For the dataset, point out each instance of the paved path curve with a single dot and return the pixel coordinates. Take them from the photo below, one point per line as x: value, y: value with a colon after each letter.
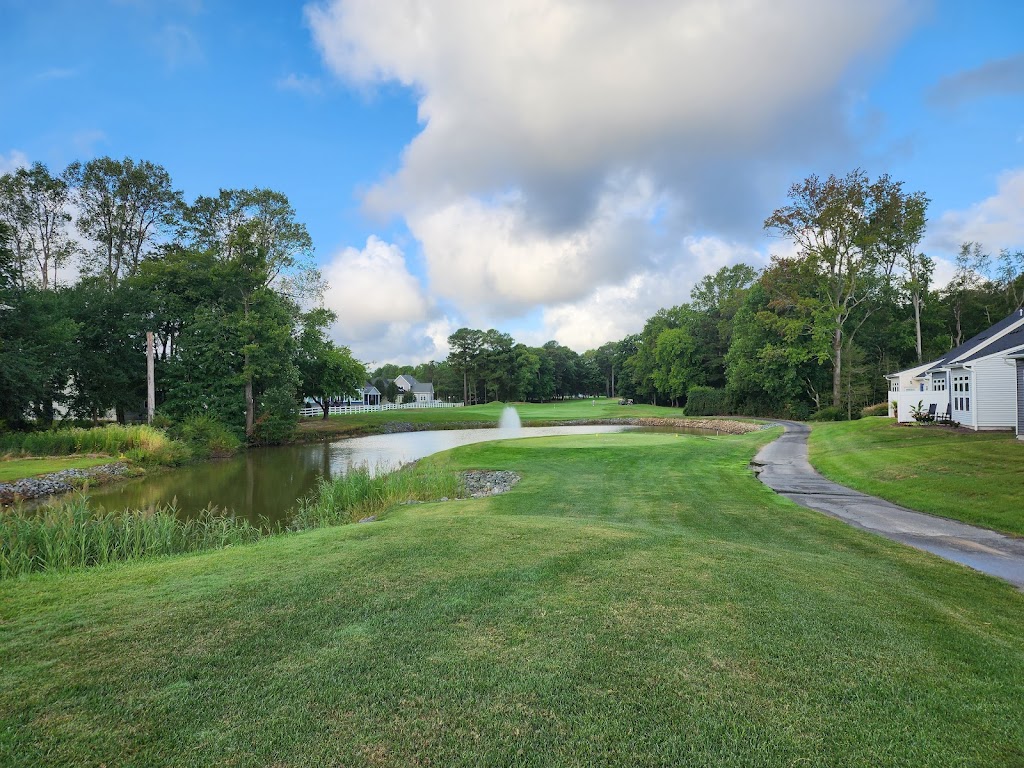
x: 783, y: 466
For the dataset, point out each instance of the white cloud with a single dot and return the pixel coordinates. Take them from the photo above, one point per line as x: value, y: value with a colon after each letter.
x: 383, y: 312
x: 179, y: 46
x: 12, y: 161
x: 614, y: 311
x: 945, y: 270
x: 491, y: 256
x: 573, y: 153
x: 530, y: 93
x: 996, y: 222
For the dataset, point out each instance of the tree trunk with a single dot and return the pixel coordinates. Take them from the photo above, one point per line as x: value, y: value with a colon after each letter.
x: 326, y: 405
x: 250, y: 404
x: 837, y: 367
x: 465, y: 388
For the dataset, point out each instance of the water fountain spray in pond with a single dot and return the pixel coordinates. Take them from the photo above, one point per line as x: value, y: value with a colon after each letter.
x: 510, y: 419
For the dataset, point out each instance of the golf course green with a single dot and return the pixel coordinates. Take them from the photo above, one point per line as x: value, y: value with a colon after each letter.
x: 637, y: 599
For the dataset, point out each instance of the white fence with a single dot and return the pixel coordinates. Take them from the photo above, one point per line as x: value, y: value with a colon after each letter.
x: 913, y: 398
x: 316, y: 410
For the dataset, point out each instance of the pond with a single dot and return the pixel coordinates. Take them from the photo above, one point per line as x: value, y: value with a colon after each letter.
x: 265, y: 482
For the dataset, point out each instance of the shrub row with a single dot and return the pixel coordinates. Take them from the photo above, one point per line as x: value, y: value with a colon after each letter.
x: 707, y: 401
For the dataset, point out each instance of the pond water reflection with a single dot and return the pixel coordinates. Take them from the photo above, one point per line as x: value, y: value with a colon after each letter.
x: 265, y: 482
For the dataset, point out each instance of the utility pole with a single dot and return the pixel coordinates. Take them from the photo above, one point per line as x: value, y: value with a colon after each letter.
x: 150, y: 381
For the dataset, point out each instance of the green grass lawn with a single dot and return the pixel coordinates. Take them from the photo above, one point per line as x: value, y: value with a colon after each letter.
x: 538, y: 413
x: 638, y: 599
x: 16, y: 469
x: 974, y: 477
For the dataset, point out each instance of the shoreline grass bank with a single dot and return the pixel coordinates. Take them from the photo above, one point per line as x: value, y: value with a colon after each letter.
x: 76, y: 534
x: 974, y: 477
x: 637, y: 599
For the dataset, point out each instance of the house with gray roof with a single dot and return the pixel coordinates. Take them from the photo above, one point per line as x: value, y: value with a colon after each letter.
x: 424, y: 391
x: 979, y: 384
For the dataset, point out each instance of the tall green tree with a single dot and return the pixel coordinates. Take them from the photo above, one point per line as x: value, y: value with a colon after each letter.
x: 109, y: 364
x: 37, y: 343
x: 327, y: 370
x: 466, y: 345
x: 774, y: 364
x: 35, y: 206
x: 126, y: 208
x: 835, y: 227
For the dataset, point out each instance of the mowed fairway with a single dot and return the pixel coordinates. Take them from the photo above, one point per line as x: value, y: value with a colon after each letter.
x: 638, y: 599
x: 489, y: 414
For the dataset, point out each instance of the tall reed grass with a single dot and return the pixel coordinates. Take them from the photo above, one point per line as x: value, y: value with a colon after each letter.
x: 140, y: 442
x: 363, y: 492
x: 74, y: 535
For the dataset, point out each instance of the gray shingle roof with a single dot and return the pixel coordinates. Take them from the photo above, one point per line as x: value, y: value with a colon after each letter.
x: 974, y: 342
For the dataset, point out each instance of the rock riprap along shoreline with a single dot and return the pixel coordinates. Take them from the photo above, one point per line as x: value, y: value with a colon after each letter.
x: 65, y: 481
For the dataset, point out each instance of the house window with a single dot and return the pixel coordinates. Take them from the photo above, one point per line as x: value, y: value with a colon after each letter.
x: 939, y: 385
x: 962, y: 392
x: 894, y: 386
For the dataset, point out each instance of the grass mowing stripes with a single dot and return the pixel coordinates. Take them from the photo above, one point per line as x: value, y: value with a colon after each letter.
x: 636, y: 600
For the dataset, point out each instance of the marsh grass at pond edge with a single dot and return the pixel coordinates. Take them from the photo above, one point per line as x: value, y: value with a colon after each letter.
x: 77, y: 535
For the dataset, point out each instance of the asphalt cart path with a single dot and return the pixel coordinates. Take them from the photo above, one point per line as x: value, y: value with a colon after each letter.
x: 783, y: 466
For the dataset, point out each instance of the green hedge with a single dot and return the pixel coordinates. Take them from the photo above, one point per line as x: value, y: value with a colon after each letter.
x: 707, y: 401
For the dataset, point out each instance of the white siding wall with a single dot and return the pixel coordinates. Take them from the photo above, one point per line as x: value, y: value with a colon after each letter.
x: 909, y: 400
x: 995, y: 392
x: 1020, y: 399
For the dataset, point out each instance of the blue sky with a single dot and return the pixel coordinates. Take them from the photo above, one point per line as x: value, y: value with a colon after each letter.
x: 553, y: 168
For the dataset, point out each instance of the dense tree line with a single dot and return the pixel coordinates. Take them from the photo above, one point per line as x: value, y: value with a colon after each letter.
x: 219, y: 282
x: 812, y: 333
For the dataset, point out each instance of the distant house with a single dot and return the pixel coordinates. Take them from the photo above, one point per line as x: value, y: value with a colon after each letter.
x: 371, y: 395
x: 424, y: 391
x: 367, y: 395
x: 980, y: 383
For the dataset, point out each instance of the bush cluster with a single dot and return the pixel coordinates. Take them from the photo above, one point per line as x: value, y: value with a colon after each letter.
x: 707, y: 401
x: 881, y: 409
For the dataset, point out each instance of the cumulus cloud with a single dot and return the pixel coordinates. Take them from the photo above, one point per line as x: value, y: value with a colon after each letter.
x: 996, y: 222
x: 567, y: 148
x: 616, y: 310
x: 551, y: 95
x: 383, y: 311
x: 488, y: 255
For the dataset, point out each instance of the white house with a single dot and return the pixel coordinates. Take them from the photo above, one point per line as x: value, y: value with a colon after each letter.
x: 424, y: 391
x: 979, y: 384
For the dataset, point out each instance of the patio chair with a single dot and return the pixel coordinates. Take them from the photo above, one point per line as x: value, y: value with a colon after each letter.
x: 944, y: 417
x: 931, y: 412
